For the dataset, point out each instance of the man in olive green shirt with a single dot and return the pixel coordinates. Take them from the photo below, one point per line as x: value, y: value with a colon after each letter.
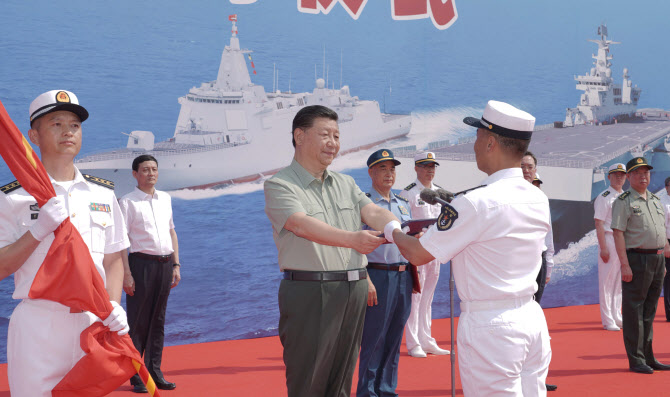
x: 638, y: 223
x: 316, y: 219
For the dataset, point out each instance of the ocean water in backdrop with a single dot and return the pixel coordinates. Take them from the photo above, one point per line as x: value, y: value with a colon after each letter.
x: 128, y: 62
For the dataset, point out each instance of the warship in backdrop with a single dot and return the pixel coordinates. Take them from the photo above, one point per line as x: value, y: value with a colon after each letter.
x: 231, y: 131
x: 573, y: 155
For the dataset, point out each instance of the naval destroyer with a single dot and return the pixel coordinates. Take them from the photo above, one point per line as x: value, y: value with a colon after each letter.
x: 231, y: 130
x: 573, y: 155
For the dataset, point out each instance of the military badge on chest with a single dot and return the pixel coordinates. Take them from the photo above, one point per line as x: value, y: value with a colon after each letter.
x: 403, y: 210
x: 637, y: 210
x: 447, y: 218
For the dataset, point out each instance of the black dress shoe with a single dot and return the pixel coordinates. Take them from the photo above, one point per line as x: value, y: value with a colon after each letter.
x: 551, y: 387
x: 162, y: 384
x: 642, y: 369
x: 659, y: 366
x: 140, y: 389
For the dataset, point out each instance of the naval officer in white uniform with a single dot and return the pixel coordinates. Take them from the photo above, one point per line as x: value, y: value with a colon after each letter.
x: 43, y: 337
x: 494, y: 237
x: 609, y: 266
x: 418, y: 328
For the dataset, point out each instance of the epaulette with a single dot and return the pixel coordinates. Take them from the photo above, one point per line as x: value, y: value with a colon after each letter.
x: 410, y: 186
x: 624, y: 195
x: 368, y: 194
x: 468, y: 190
x: 99, y: 181
x: 607, y: 193
x: 10, y: 187
x: 438, y: 186
x: 401, y: 198
x: 654, y: 196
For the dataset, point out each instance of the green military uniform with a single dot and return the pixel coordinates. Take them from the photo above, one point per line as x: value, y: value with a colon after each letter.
x: 643, y: 225
x: 321, y: 322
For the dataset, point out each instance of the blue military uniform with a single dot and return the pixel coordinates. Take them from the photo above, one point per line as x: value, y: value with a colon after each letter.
x: 384, y: 322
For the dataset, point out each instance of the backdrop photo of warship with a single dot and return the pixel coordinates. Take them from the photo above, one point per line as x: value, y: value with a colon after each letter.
x: 231, y: 130
x: 573, y: 155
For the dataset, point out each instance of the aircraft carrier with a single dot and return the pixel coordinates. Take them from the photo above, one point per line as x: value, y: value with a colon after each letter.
x: 573, y: 155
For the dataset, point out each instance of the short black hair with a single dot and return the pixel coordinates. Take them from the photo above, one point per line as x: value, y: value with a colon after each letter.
x: 667, y: 180
x: 305, y: 117
x: 529, y: 153
x: 512, y: 146
x: 141, y: 159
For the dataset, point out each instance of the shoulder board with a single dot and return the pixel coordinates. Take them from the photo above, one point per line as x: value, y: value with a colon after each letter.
x: 436, y: 185
x: 624, y: 195
x: 654, y: 196
x: 401, y: 198
x: 607, y: 193
x: 410, y: 186
x: 99, y: 181
x: 368, y: 194
x: 10, y: 187
x: 469, y: 190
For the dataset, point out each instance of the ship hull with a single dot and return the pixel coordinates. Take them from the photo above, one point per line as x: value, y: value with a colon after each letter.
x: 268, y: 152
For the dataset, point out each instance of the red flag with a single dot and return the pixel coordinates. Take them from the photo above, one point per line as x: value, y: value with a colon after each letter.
x: 68, y: 276
x: 232, y: 17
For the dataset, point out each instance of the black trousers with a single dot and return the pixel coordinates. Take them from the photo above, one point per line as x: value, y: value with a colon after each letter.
x: 146, y: 310
x: 638, y: 306
x: 541, y: 279
x: 320, y: 328
x: 666, y: 289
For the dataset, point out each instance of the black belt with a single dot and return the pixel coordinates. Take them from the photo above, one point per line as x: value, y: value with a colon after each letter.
x: 157, y: 258
x: 396, y: 267
x: 351, y: 275
x: 651, y: 251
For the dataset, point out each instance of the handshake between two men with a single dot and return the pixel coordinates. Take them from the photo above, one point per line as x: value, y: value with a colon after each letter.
x: 406, y: 236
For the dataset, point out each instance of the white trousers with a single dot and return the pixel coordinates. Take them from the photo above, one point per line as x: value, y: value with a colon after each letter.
x: 42, y: 346
x: 417, y: 329
x: 609, y: 285
x: 504, y: 352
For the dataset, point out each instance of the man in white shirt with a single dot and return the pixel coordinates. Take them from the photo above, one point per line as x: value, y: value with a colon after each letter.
x: 43, y: 337
x: 494, y: 237
x: 529, y: 169
x: 418, y: 328
x: 151, y: 269
x: 609, y: 267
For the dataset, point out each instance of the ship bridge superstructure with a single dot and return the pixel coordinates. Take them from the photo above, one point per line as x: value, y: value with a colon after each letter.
x: 224, y: 110
x: 603, y: 101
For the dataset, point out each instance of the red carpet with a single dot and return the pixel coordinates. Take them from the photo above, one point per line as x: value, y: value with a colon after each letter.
x: 587, y: 361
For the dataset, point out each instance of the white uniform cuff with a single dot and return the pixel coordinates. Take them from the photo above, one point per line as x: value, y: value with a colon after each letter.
x: 389, y: 228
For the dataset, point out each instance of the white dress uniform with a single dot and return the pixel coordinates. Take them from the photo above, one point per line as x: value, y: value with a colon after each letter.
x: 495, y: 247
x: 418, y: 327
x: 609, y: 273
x: 43, y: 337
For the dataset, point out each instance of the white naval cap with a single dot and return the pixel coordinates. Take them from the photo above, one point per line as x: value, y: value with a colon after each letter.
x: 616, y: 167
x: 505, y: 120
x: 425, y: 157
x: 55, y: 100
x: 537, y: 178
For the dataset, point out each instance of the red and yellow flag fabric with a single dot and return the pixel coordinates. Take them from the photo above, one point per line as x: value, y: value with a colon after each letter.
x: 68, y: 276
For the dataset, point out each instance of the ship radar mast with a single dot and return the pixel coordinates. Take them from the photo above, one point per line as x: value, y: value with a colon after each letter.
x: 233, y: 74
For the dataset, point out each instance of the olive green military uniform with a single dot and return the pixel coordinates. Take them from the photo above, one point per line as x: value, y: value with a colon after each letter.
x: 643, y: 225
x: 320, y: 322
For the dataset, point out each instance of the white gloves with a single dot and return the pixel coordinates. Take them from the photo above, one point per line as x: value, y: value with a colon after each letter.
x: 51, y: 215
x: 117, y: 320
x: 389, y: 228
